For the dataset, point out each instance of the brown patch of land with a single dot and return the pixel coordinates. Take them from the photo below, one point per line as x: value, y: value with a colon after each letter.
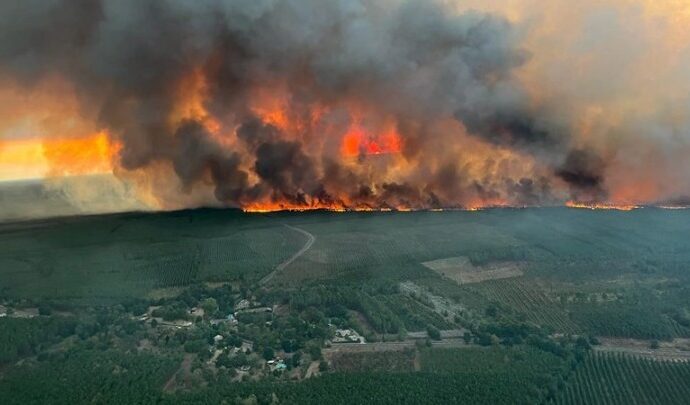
x: 462, y: 271
x: 312, y: 370
x: 180, y: 375
x: 169, y: 292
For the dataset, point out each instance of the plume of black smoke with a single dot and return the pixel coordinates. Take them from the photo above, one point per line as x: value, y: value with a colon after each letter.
x: 412, y: 60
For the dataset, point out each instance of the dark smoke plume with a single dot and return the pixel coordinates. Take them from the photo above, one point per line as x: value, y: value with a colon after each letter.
x: 413, y: 63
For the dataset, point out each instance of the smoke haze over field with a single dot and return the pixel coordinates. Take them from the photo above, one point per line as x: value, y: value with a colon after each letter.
x: 272, y: 104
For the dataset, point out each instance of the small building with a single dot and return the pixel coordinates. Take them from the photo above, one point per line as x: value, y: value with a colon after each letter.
x: 243, y: 304
x: 218, y: 338
x: 231, y: 319
x: 196, y: 312
x: 276, y: 364
x: 254, y: 310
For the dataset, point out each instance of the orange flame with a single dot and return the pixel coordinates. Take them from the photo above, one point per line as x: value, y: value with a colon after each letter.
x: 358, y: 141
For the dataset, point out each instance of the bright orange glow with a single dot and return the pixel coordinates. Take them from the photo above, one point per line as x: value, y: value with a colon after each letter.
x: 600, y: 206
x: 272, y: 106
x: 78, y: 156
x: 34, y: 158
x: 265, y: 207
x: 22, y: 159
x: 358, y: 141
x: 190, y: 103
x: 268, y: 207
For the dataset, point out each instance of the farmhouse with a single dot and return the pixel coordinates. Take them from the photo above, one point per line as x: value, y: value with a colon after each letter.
x: 230, y: 320
x: 347, y: 336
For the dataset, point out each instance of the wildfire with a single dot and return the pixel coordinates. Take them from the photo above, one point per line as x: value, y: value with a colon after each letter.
x: 601, y: 206
x: 269, y: 207
x: 262, y: 208
x: 358, y: 140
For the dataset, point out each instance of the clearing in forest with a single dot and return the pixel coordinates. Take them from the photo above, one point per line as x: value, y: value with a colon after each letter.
x: 462, y: 271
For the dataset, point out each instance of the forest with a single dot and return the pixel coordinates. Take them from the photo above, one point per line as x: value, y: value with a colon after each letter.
x: 197, y: 307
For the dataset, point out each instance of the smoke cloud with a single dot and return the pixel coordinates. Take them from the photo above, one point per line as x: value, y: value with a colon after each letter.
x: 362, y: 103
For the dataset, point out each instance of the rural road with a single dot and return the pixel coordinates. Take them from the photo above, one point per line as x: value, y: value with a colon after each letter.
x: 310, y: 241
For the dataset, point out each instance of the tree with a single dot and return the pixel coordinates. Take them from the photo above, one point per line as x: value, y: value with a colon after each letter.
x: 654, y: 344
x: 195, y: 346
x: 44, y: 310
x: 492, y: 311
x: 314, y: 351
x: 210, y: 306
x: 323, y: 366
x: 268, y: 353
x: 433, y: 332
x: 287, y: 346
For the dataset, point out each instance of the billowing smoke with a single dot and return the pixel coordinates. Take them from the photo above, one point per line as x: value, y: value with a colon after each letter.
x: 310, y: 103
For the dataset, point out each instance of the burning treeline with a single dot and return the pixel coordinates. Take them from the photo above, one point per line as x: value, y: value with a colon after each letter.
x: 297, y: 104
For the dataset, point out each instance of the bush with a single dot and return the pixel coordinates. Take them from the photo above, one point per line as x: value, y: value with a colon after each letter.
x: 433, y: 332
x: 45, y: 310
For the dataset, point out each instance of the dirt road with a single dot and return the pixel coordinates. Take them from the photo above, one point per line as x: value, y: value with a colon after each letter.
x: 310, y: 241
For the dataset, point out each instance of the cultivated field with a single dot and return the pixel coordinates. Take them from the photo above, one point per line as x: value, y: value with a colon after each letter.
x: 462, y: 271
x: 621, y: 379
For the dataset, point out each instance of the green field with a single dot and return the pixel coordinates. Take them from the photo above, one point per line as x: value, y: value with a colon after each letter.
x: 618, y: 379
x: 128, y: 255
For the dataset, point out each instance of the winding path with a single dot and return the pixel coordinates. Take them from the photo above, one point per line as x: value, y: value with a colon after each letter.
x: 310, y: 241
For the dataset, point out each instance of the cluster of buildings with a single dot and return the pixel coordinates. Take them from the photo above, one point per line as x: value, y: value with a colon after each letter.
x: 347, y: 336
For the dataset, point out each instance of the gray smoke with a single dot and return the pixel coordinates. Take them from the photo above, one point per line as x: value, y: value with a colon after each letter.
x: 413, y: 60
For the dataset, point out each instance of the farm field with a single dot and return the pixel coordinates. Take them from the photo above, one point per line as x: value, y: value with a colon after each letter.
x: 606, y: 378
